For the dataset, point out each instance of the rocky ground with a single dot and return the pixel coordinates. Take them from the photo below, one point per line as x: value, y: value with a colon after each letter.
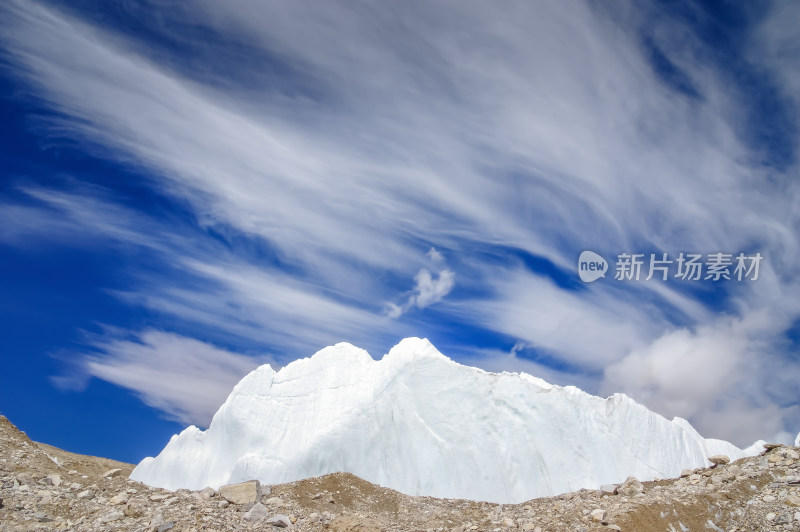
x: 44, y: 488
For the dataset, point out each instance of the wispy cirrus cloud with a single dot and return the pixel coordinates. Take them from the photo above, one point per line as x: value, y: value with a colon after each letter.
x: 547, y: 131
x: 184, y: 378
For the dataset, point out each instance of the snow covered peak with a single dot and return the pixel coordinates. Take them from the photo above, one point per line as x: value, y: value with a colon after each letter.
x: 423, y: 424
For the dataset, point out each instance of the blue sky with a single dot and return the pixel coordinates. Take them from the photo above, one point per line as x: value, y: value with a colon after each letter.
x: 189, y: 190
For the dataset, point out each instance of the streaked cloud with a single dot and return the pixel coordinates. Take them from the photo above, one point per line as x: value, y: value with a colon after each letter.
x: 186, y: 379
x: 544, y: 132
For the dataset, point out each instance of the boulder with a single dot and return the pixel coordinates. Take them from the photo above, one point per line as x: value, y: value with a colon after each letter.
x: 242, y: 493
x: 630, y: 487
x: 719, y: 459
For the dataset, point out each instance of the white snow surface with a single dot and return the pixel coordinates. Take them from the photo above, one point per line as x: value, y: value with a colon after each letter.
x: 422, y: 424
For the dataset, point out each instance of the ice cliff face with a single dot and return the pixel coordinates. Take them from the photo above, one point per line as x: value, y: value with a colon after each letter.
x: 423, y: 424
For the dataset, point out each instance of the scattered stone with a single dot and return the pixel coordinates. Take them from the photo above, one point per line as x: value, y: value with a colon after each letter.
x: 609, y: 489
x: 24, y: 479
x: 135, y: 508
x: 274, y: 501
x: 208, y: 493
x: 42, y: 517
x: 279, y: 520
x: 242, y: 493
x: 598, y: 514
x: 112, y: 473
x: 719, y: 459
x: 793, y: 500
x: 113, y: 516
x: 686, y: 472
x: 54, y: 479
x: 120, y: 498
x: 630, y: 487
x: 86, y: 494
x: 257, y: 513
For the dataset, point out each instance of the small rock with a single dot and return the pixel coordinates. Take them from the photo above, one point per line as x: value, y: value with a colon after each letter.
x: 279, y: 520
x: 686, y: 472
x: 274, y: 501
x: 207, y: 493
x: 614, y: 527
x: 508, y: 522
x: 793, y: 500
x: 24, y: 479
x: 158, y: 497
x: 113, y: 516
x: 54, y: 479
x: 719, y: 459
x: 120, y: 498
x: 598, y: 514
x: 257, y: 512
x: 112, y: 473
x: 155, y: 523
x: 86, y: 494
x: 630, y: 487
x: 42, y: 517
x: 165, y: 526
x: 609, y: 489
x: 135, y: 508
x: 242, y: 493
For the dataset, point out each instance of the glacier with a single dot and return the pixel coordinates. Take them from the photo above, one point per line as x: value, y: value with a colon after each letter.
x: 420, y: 423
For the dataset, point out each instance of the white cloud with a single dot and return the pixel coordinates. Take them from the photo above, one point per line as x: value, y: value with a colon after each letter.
x: 185, y: 378
x: 545, y: 131
x: 713, y: 374
x: 429, y: 287
x: 435, y: 256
